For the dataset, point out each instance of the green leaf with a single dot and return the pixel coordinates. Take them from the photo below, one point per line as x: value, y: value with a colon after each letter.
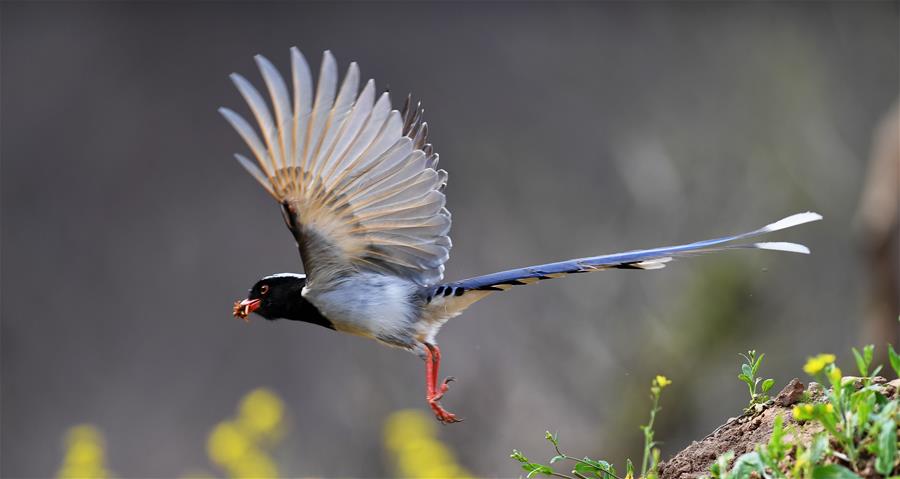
x: 833, y: 471
x: 746, y: 464
x: 895, y: 359
x: 757, y: 363
x: 767, y: 384
x: 817, y: 447
x: 887, y: 448
x: 591, y: 468
x: 863, y: 408
x: 747, y: 370
x: 775, y: 441
x: 587, y: 469
x: 719, y: 469
x: 537, y: 469
x: 745, y: 378
x: 860, y: 363
x: 877, y: 370
x: 556, y: 459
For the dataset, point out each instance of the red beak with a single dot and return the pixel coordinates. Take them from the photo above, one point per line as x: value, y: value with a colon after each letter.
x: 242, y: 309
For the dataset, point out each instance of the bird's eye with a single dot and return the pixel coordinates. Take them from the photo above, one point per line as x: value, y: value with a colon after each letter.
x: 264, y: 289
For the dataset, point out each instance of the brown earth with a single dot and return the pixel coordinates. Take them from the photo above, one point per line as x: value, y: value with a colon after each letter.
x: 742, y: 434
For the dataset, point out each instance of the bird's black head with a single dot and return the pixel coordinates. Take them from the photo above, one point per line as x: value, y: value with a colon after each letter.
x: 280, y: 296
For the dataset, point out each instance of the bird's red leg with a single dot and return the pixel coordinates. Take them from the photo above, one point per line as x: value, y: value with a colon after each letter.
x: 432, y: 394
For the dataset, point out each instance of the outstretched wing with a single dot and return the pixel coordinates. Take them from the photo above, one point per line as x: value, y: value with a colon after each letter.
x: 357, y: 181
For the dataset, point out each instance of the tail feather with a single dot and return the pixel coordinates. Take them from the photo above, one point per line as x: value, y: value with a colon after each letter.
x: 655, y: 258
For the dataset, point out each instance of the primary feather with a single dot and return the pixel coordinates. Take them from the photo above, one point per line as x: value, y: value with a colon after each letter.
x: 358, y: 181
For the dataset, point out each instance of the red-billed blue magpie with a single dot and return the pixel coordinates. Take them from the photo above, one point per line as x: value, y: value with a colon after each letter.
x: 360, y: 190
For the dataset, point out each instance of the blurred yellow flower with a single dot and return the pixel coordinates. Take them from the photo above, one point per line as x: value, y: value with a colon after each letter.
x: 803, y: 412
x: 85, y: 454
x: 238, y: 445
x: 261, y: 413
x: 227, y: 443
x: 662, y: 381
x: 816, y: 364
x: 409, y: 436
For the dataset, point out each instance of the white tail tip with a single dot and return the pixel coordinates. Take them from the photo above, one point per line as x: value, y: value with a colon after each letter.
x: 793, y: 220
x: 782, y: 246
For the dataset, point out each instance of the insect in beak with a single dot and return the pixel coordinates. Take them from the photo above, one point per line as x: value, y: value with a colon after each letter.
x: 242, y: 309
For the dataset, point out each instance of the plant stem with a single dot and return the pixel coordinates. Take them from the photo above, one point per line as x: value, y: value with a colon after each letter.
x: 566, y: 456
x: 648, y: 436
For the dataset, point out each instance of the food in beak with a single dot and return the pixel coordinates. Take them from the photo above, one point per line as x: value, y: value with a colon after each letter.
x: 242, y: 309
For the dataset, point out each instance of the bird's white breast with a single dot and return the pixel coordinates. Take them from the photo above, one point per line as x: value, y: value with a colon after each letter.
x: 368, y: 304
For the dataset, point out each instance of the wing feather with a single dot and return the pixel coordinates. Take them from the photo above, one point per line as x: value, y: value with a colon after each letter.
x: 356, y: 179
x: 303, y: 94
x: 280, y: 100
x: 250, y: 137
x: 325, y: 92
x: 335, y: 123
x: 263, y: 118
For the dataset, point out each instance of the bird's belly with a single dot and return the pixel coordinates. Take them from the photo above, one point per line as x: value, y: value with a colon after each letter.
x: 370, y: 305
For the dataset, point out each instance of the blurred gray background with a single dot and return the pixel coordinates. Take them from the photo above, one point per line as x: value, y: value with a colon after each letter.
x: 568, y: 130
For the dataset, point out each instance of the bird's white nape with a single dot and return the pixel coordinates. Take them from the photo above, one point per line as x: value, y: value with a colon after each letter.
x: 286, y: 275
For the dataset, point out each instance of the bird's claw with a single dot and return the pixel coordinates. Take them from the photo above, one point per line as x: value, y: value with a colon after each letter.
x: 445, y: 386
x: 440, y: 413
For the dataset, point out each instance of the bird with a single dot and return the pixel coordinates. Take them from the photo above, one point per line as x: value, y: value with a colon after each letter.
x: 360, y: 190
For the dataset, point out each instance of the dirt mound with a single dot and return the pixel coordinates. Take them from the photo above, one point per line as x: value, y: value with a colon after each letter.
x: 742, y: 434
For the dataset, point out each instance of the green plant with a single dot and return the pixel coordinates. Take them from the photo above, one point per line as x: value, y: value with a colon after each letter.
x: 651, y: 453
x: 583, y: 468
x: 588, y: 468
x: 859, y: 422
x: 895, y: 360
x: 864, y: 362
x: 748, y: 376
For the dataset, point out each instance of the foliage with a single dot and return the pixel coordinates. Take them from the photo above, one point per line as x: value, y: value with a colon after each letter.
x: 410, y: 437
x: 587, y: 468
x: 748, y: 376
x: 859, y: 422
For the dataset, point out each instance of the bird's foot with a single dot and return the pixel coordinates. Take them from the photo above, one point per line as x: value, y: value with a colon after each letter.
x: 440, y: 413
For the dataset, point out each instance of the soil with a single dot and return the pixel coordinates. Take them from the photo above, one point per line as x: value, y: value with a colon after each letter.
x: 742, y: 434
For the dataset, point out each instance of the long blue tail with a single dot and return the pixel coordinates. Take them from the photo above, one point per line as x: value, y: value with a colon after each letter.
x: 640, y: 259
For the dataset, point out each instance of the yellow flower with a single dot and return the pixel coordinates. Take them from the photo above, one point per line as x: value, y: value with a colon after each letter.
x: 662, y: 381
x: 816, y: 364
x: 829, y: 408
x: 834, y: 375
x: 804, y: 412
x: 85, y: 454
x: 261, y: 413
x: 240, y: 445
x: 417, y: 453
